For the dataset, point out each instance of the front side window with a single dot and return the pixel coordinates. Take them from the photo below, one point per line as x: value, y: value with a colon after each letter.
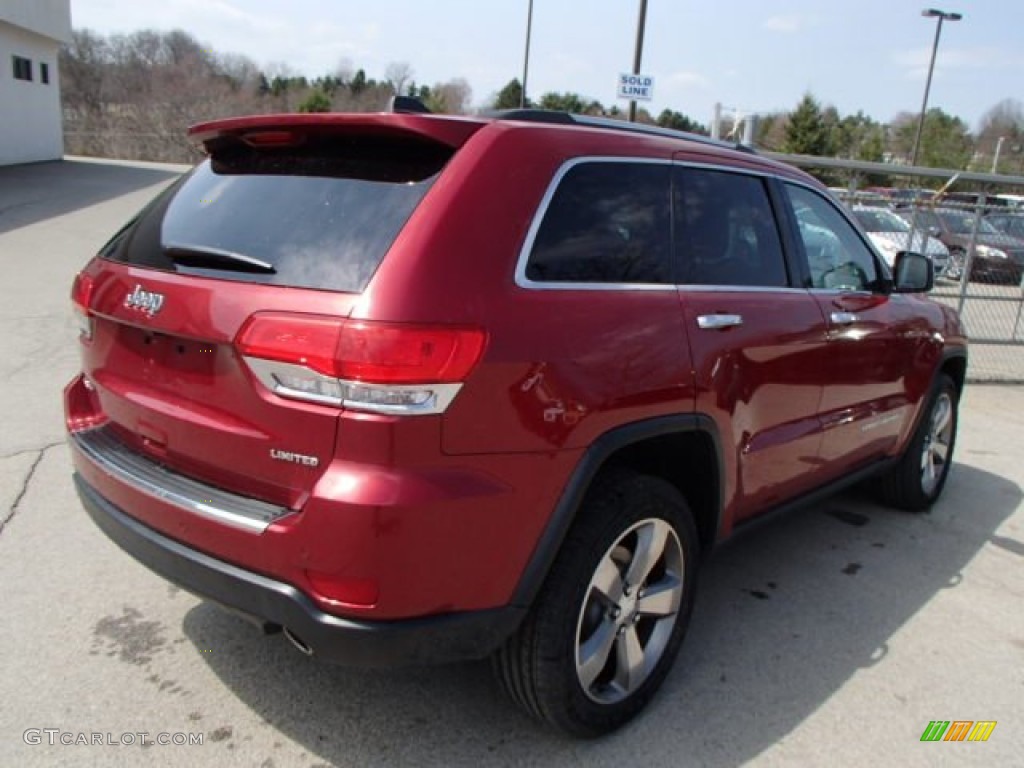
x: 608, y: 222
x: 725, y: 230
x: 836, y: 256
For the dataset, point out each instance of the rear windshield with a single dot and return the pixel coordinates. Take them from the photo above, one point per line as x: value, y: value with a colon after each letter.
x: 322, y: 215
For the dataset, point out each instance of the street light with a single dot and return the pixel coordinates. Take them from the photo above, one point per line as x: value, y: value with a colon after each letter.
x: 930, y: 13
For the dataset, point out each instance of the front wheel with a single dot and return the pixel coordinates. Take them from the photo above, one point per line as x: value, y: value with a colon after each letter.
x: 607, y: 625
x: 955, y: 266
x: 917, y: 480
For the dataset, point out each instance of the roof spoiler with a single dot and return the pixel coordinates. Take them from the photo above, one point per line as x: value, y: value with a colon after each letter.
x: 408, y: 105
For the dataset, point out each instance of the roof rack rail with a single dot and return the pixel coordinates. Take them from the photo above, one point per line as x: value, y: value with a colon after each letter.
x: 553, y: 116
x: 567, y: 118
x: 408, y: 105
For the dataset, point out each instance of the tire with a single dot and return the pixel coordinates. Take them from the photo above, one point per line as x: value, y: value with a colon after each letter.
x: 955, y: 265
x: 918, y: 479
x: 566, y: 664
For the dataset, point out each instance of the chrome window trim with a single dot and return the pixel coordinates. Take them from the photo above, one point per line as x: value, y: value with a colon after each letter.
x: 838, y: 292
x: 702, y: 166
x: 522, y: 281
x: 722, y: 288
x: 114, y: 457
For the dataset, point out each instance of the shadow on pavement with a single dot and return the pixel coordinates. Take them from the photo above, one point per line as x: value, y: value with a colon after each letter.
x: 785, y: 616
x: 38, y: 191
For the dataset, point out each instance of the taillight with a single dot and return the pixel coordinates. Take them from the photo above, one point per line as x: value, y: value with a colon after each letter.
x: 364, y: 365
x: 407, y: 354
x: 81, y: 294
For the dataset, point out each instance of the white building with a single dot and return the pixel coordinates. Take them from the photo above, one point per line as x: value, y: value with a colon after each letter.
x: 31, y: 32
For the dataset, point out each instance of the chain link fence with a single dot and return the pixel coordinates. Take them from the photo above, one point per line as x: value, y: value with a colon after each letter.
x: 971, y: 224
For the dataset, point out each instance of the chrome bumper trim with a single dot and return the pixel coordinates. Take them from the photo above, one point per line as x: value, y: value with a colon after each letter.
x: 111, y: 455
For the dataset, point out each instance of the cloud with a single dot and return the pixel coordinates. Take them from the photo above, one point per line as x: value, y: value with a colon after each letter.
x: 689, y: 80
x: 914, y: 62
x: 788, y: 23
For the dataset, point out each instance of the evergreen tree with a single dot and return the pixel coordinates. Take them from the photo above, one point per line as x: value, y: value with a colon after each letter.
x: 680, y: 122
x: 807, y: 132
x: 510, y: 96
x: 317, y: 101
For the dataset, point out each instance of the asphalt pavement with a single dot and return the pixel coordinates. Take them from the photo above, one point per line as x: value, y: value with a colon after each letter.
x: 831, y: 636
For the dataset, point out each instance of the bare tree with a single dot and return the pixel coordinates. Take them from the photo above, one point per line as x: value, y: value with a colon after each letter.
x: 453, y: 97
x: 398, y: 75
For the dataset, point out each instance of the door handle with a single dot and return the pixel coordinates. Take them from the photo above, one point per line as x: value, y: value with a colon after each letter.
x: 844, y: 318
x: 715, y: 322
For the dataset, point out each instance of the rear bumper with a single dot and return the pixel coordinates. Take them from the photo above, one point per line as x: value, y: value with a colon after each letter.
x: 428, y: 640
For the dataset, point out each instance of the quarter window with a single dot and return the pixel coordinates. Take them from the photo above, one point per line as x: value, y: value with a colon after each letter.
x: 22, y: 68
x: 836, y: 256
x: 608, y: 222
x: 44, y: 73
x: 725, y: 230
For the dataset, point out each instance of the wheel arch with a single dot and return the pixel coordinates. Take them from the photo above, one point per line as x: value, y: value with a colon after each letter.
x: 954, y: 365
x: 683, y: 449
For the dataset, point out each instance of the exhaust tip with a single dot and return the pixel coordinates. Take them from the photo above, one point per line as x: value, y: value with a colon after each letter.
x: 298, y: 642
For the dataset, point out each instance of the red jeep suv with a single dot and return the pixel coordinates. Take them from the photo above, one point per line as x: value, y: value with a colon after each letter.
x: 414, y: 388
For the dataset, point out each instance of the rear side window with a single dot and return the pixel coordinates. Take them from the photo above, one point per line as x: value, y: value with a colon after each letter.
x: 725, y: 230
x: 321, y: 215
x: 608, y: 222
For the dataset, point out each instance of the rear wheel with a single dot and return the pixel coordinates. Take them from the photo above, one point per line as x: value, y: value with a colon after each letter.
x: 605, y: 629
x: 918, y: 479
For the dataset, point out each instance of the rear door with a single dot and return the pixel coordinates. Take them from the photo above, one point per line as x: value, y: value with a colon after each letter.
x: 757, y: 339
x: 296, y: 226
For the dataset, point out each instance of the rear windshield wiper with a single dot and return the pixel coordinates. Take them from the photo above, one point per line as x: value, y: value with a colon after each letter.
x: 215, y: 258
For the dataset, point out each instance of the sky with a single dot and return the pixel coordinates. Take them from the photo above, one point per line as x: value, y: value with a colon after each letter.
x: 748, y: 55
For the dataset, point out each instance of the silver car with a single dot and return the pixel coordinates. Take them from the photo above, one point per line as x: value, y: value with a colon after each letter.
x: 891, y: 234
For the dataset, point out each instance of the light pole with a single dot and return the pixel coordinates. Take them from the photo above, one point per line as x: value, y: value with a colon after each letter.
x: 930, y: 13
x: 526, y: 56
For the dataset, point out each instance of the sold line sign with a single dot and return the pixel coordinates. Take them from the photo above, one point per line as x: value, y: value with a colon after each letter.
x: 636, y: 87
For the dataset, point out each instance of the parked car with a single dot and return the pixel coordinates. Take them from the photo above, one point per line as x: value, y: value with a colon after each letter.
x: 417, y: 389
x: 891, y: 234
x: 1011, y: 224
x: 998, y: 258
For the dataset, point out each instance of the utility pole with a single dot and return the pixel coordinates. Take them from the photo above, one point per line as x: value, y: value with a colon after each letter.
x: 639, y: 52
x: 526, y: 56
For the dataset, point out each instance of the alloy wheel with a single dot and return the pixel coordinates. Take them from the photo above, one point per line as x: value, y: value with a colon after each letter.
x: 629, y: 610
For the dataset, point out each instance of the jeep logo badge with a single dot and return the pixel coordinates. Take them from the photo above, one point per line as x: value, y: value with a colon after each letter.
x: 148, y: 302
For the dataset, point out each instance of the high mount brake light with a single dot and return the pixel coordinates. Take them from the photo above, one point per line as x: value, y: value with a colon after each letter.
x: 364, y: 365
x: 272, y: 138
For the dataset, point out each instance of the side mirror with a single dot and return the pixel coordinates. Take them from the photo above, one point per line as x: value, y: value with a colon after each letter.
x: 913, y: 273
x: 934, y: 231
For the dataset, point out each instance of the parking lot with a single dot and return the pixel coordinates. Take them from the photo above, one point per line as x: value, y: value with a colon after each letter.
x: 831, y: 636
